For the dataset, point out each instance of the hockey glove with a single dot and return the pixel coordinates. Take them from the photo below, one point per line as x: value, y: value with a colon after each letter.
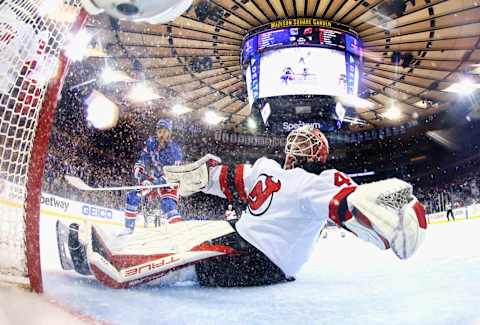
x: 191, y: 178
x: 387, y: 214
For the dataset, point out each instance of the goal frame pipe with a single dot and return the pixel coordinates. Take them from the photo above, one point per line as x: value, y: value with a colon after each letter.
x: 37, y: 163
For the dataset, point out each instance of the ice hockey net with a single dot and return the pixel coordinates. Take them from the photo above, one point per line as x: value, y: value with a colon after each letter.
x: 33, y: 34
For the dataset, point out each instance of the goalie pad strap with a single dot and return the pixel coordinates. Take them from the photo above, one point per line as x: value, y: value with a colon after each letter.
x: 338, y: 207
x: 420, y: 212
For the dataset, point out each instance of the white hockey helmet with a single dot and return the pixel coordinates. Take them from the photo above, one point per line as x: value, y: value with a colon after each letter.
x: 150, y: 11
x: 306, y: 144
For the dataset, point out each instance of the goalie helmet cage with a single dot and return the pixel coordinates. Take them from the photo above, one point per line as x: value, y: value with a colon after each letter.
x: 33, y: 34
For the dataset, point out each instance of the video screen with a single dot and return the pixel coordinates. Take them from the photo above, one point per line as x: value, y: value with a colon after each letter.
x: 298, y: 37
x: 302, y: 71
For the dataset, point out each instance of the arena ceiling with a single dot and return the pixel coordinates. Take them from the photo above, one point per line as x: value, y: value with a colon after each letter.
x: 195, y: 60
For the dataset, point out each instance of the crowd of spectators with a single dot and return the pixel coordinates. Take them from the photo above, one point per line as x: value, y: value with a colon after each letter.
x: 69, y: 154
x: 460, y: 191
x: 456, y: 184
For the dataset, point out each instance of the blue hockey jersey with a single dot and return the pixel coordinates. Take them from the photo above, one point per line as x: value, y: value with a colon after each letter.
x: 154, y: 158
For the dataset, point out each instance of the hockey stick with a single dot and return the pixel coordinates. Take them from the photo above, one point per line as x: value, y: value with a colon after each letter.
x: 81, y: 185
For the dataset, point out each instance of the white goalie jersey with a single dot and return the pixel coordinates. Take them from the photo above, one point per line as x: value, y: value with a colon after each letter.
x: 286, y: 209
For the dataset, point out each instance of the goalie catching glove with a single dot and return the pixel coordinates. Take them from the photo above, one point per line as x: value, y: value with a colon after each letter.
x: 191, y: 178
x: 384, y: 213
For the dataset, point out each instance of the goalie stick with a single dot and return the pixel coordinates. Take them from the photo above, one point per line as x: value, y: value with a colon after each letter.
x: 81, y: 185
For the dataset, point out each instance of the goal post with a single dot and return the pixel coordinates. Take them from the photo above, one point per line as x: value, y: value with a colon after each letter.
x: 33, y: 35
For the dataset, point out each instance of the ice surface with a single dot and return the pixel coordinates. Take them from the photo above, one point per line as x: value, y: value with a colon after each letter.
x: 19, y: 307
x: 346, y: 282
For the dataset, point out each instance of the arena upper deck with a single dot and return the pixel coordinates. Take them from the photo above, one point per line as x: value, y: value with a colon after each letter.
x: 414, y: 50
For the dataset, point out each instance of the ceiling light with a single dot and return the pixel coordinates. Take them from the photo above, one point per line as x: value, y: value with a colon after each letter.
x: 475, y: 68
x: 355, y: 102
x: 101, y: 112
x: 339, y: 111
x: 464, y: 87
x: 110, y: 76
x: 77, y: 45
x: 142, y: 93
x: 393, y: 113
x: 179, y: 109
x: 421, y: 104
x: 426, y: 104
x: 252, y: 125
x: 213, y: 118
x: 354, y: 120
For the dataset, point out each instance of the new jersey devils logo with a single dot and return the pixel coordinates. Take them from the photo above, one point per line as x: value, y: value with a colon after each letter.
x: 261, y: 195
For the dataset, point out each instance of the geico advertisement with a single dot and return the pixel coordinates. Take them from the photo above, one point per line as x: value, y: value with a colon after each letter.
x: 95, y: 212
x: 78, y: 209
x: 75, y: 208
x: 13, y: 195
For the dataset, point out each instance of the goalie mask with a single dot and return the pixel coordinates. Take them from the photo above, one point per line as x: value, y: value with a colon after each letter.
x: 306, y: 148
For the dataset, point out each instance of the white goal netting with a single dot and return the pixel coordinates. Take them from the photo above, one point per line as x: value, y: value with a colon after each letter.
x: 32, y: 66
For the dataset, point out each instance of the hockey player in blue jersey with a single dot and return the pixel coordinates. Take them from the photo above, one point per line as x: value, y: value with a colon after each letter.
x: 159, y: 151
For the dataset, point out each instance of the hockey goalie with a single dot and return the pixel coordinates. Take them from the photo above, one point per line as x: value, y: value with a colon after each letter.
x: 286, y: 210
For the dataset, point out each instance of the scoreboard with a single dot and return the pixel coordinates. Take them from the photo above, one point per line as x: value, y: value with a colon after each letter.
x: 337, y: 37
x: 299, y: 62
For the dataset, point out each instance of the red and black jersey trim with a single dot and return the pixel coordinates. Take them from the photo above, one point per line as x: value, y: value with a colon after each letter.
x: 232, y: 184
x: 338, y: 207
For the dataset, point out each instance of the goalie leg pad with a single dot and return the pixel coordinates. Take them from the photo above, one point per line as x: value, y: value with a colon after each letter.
x: 147, y: 257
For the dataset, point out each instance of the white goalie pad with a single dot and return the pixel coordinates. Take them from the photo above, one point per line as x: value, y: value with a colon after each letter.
x: 191, y: 178
x: 148, y: 255
x: 388, y: 211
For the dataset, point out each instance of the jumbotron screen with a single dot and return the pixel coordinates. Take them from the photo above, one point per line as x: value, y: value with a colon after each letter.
x: 323, y: 58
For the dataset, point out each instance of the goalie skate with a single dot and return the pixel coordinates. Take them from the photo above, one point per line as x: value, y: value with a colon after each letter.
x: 62, y: 244
x: 71, y: 251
